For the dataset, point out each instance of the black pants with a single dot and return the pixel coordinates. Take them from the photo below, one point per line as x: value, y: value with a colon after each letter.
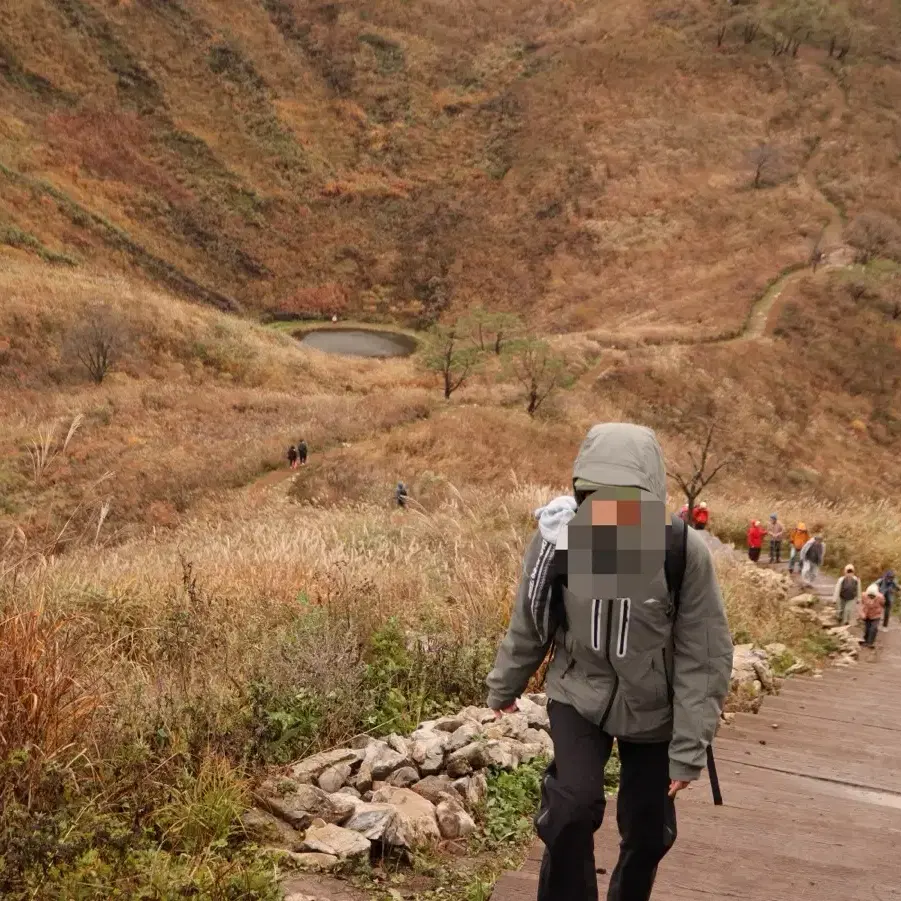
x: 572, y: 809
x: 888, y: 611
x: 754, y: 554
x: 870, y: 631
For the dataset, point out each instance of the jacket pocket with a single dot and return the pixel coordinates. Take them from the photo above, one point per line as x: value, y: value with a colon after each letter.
x: 645, y: 685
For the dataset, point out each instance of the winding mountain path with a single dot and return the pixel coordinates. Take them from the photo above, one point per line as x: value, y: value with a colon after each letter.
x: 812, y: 796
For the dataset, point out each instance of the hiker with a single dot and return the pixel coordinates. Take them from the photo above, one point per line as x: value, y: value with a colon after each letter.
x: 887, y: 588
x: 701, y: 516
x: 683, y: 514
x: 302, y: 452
x: 798, y: 537
x: 755, y: 540
x: 400, y: 494
x: 846, y: 595
x: 776, y: 532
x: 636, y: 659
x: 812, y: 555
x: 292, y: 457
x: 872, y: 606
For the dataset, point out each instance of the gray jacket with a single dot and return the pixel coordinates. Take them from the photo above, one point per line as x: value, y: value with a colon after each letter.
x: 654, y: 678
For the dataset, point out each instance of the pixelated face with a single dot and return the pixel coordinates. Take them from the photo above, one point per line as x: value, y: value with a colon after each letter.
x: 616, y: 543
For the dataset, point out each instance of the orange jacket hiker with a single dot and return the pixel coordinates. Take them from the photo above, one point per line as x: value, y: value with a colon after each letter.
x: 799, y: 536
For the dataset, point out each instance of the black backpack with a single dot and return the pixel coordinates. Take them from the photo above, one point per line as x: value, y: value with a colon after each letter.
x: 848, y: 589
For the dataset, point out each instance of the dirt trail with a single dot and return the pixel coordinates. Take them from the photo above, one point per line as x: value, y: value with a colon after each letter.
x: 835, y: 253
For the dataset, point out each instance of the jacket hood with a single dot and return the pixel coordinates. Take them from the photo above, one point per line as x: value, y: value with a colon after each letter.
x: 625, y: 455
x: 553, y: 517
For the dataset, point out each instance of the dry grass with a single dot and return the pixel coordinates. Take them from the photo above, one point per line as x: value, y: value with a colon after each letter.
x: 585, y: 165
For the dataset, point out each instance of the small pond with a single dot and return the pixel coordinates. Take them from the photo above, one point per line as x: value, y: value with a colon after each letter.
x: 357, y: 342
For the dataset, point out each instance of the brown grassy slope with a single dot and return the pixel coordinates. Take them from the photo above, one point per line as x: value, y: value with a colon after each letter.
x: 580, y: 162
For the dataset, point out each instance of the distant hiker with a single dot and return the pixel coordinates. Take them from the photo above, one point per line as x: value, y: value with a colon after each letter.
x: 888, y: 588
x: 798, y: 537
x: 872, y: 606
x: 302, y: 452
x: 635, y: 660
x: 683, y: 514
x: 812, y: 555
x: 701, y: 516
x: 292, y: 457
x: 846, y: 595
x: 776, y: 532
x: 400, y: 493
x: 755, y: 540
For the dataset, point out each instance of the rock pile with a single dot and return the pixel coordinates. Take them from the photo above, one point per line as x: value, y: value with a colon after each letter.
x: 395, y: 792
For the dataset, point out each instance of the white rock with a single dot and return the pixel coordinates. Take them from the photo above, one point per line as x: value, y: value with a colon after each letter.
x: 473, y: 790
x: 398, y: 743
x: 540, y: 699
x: 540, y: 737
x: 308, y: 861
x: 371, y: 820
x: 404, y: 777
x: 453, y: 820
x: 535, y: 714
x: 462, y: 737
x: 464, y: 761
x: 478, y: 714
x: 331, y: 779
x: 512, y: 725
x: 297, y: 803
x: 309, y: 769
x: 428, y: 753
x: 501, y: 753
x: 414, y: 824
x: 431, y: 787
x: 338, y: 842
x: 362, y: 781
x: 383, y: 760
x: 449, y: 723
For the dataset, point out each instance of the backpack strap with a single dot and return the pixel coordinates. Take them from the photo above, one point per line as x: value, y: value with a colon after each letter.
x: 676, y: 559
x: 674, y: 565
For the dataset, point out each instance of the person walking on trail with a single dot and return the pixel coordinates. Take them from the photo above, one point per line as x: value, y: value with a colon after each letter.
x: 701, y: 516
x: 888, y: 588
x: 292, y: 457
x: 400, y: 495
x: 635, y: 660
x: 755, y: 540
x: 872, y: 606
x: 798, y: 537
x: 846, y: 595
x: 776, y: 533
x: 683, y: 514
x: 302, y: 452
x: 812, y: 555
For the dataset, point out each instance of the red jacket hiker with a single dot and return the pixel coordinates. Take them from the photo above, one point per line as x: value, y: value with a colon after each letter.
x: 755, y: 535
x: 701, y: 516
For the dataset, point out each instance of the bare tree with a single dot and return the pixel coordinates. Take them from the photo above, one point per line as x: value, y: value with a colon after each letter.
x: 539, y: 370
x: 764, y: 161
x: 491, y: 330
x: 874, y: 235
x: 98, y: 341
x: 702, y: 470
x: 447, y: 355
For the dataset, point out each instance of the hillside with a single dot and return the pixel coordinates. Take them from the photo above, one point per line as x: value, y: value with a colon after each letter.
x: 584, y: 162
x: 702, y: 230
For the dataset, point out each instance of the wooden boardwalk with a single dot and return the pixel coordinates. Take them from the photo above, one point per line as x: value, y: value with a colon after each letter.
x: 812, y: 791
